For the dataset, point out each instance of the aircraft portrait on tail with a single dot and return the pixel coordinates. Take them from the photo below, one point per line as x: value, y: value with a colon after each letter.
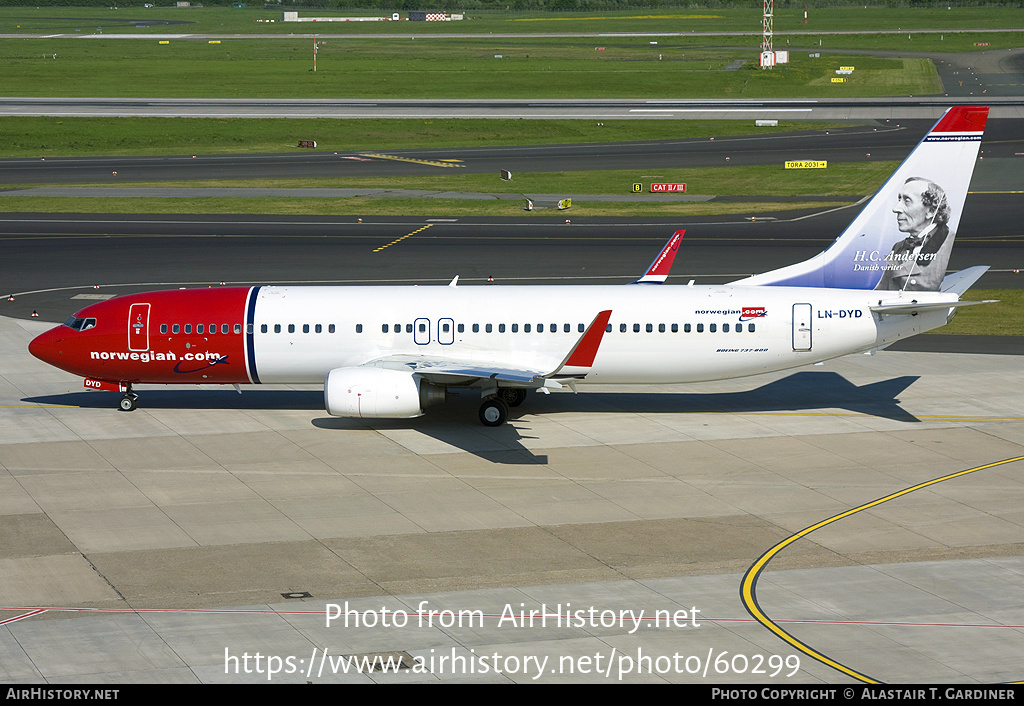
x: 918, y: 262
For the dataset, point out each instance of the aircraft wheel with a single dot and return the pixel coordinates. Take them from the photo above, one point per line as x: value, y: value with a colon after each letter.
x: 128, y: 403
x: 512, y: 396
x: 493, y: 412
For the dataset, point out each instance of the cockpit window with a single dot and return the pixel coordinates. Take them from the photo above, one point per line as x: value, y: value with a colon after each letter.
x: 80, y: 324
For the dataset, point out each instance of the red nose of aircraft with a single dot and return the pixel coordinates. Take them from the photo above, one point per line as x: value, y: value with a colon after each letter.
x: 47, y: 346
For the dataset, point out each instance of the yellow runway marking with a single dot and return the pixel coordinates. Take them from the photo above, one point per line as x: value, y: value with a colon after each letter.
x: 749, y: 585
x: 407, y: 235
x: 431, y: 162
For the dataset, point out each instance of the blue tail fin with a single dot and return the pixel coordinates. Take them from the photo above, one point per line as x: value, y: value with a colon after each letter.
x: 902, y: 239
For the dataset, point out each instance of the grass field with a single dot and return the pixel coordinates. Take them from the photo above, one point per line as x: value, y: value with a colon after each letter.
x: 999, y: 319
x: 55, y: 137
x: 847, y: 180
x: 134, y: 19
x: 83, y: 56
x: 438, y: 68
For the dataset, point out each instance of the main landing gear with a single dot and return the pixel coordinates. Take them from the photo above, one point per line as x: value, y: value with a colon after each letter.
x: 494, y: 410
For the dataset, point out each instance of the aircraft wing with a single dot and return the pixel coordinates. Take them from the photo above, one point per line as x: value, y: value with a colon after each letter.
x: 450, y: 371
x: 461, y: 372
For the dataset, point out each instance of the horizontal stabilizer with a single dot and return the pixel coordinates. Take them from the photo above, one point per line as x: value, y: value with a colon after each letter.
x: 963, y: 280
x: 916, y: 308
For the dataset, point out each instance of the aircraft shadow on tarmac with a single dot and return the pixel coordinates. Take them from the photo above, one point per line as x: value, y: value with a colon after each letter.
x: 455, y: 423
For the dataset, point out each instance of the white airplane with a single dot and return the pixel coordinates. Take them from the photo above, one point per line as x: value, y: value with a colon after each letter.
x: 394, y: 351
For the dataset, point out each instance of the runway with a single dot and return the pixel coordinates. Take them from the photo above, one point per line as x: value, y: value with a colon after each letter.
x: 895, y: 108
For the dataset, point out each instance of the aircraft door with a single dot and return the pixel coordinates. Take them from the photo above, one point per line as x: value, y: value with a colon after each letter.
x: 446, y: 332
x: 421, y: 332
x: 802, y: 327
x: 138, y: 327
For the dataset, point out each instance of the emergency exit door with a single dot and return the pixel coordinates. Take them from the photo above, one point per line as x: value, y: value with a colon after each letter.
x: 802, y: 327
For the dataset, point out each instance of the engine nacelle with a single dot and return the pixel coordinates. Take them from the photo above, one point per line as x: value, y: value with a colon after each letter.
x: 379, y: 392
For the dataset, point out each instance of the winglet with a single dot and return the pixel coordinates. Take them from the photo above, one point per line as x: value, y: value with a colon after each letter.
x: 583, y: 353
x: 657, y: 271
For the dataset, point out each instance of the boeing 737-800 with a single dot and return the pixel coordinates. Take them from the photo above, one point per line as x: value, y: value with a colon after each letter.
x: 394, y: 351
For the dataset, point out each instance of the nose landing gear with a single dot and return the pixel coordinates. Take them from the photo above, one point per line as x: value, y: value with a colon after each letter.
x: 130, y: 400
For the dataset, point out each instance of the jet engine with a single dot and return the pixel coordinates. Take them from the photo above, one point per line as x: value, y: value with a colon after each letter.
x: 379, y: 392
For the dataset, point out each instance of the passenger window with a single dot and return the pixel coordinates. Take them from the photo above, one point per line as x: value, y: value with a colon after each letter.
x: 675, y: 328
x: 291, y: 328
x: 224, y: 328
x: 305, y: 328
x: 476, y: 328
x: 567, y: 328
x: 712, y: 328
x: 359, y: 328
x: 661, y: 328
x: 462, y: 328
x: 583, y: 327
x: 188, y: 328
x: 277, y: 328
x: 700, y: 328
x: 526, y: 328
x: 650, y: 328
x: 725, y: 328
x: 175, y: 328
x: 686, y: 328
x: 636, y: 328
x: 501, y: 328
x: 384, y: 328
x: 515, y: 328
x: 199, y: 328
x: 408, y: 328
x: 330, y: 328
x: 622, y: 328
x: 163, y: 328
x: 263, y: 328
x: 750, y: 328
x: 319, y: 328
x: 238, y: 328
x: 487, y: 328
